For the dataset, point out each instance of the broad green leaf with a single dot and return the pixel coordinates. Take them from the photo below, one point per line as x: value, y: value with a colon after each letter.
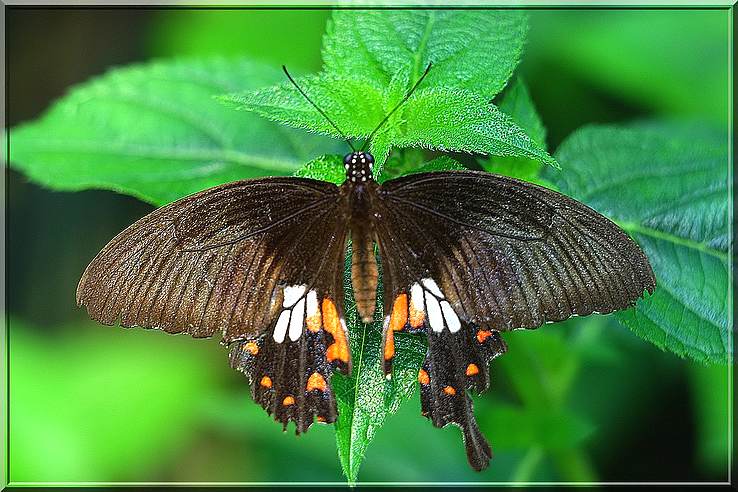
x: 155, y: 131
x: 474, y: 50
x: 366, y: 398
x: 101, y: 404
x: 667, y: 185
x: 456, y: 120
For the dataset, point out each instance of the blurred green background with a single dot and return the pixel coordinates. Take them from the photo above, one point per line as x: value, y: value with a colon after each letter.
x: 95, y: 403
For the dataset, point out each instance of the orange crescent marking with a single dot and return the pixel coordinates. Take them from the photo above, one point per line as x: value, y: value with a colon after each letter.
x: 389, y: 344
x: 266, y: 382
x: 288, y: 400
x: 399, y: 313
x: 482, y: 335
x: 316, y: 381
x: 423, y: 377
x: 472, y: 369
x: 449, y: 390
x: 417, y: 316
x: 251, y: 347
x: 332, y: 324
x: 320, y: 419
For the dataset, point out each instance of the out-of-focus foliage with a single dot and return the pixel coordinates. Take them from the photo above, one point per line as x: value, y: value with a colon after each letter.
x: 580, y: 400
x: 274, y: 37
x: 79, y: 395
x: 674, y: 61
x: 667, y: 185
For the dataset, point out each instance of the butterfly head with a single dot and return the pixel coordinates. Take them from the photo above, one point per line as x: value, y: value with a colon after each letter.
x: 358, y: 166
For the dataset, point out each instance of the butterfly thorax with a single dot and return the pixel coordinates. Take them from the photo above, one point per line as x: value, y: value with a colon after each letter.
x: 361, y: 187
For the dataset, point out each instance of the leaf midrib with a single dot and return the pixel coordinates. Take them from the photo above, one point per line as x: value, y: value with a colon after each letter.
x: 638, y: 228
x: 228, y: 156
x: 352, y: 475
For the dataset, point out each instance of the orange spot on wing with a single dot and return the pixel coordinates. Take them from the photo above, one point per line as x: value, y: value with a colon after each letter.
x: 449, y: 390
x: 423, y: 377
x: 288, y: 400
x: 417, y: 316
x: 482, y: 335
x: 399, y: 313
x: 266, y: 382
x: 251, y: 347
x: 320, y: 419
x: 472, y: 369
x: 316, y: 381
x: 332, y: 323
x: 389, y: 344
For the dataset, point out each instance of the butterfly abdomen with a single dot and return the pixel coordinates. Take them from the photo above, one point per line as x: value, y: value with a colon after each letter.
x: 364, y: 274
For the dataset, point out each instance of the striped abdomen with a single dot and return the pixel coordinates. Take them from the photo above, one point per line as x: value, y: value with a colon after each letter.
x: 364, y: 274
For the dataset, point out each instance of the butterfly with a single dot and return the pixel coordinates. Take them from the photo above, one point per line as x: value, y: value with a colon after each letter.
x: 465, y: 256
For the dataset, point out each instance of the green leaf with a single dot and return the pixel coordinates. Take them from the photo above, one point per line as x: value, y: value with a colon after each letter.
x: 442, y: 119
x: 366, y: 398
x: 474, y: 50
x: 667, y: 185
x: 456, y: 120
x: 356, y: 106
x: 326, y: 168
x: 154, y: 131
x: 516, y: 102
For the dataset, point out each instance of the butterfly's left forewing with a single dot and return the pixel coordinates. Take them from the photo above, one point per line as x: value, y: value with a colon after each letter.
x: 466, y: 255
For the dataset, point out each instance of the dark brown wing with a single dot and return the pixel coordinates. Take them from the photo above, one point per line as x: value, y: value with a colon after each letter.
x: 468, y: 254
x: 259, y: 262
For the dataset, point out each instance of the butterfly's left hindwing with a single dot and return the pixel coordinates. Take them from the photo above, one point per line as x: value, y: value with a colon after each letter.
x: 467, y: 255
x: 257, y: 262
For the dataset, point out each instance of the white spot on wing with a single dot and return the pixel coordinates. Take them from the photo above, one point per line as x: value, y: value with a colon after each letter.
x: 281, y: 329
x: 312, y: 303
x: 296, y: 320
x: 435, y: 317
x: 432, y: 286
x: 452, y: 321
x: 292, y: 294
x: 416, y: 297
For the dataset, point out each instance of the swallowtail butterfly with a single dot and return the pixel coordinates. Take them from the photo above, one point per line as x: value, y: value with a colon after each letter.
x: 465, y: 256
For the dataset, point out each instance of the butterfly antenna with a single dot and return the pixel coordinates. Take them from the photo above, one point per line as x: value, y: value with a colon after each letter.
x: 316, y: 107
x: 407, y: 96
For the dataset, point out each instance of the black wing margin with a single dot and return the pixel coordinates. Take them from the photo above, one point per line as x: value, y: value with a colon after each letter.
x: 467, y: 255
x: 257, y: 262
